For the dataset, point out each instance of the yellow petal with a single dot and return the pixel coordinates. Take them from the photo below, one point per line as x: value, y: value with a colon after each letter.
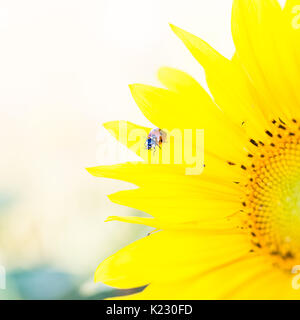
x: 174, y: 110
x: 136, y: 220
x: 259, y: 33
x: 230, y: 280
x: 174, y: 205
x: 165, y: 108
x: 217, y: 175
x: 231, y: 88
x: 167, y: 255
x: 131, y: 135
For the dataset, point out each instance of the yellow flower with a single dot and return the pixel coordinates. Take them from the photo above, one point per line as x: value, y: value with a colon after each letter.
x: 232, y: 232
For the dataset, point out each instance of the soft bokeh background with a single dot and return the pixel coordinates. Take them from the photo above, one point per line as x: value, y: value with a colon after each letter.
x: 65, y: 66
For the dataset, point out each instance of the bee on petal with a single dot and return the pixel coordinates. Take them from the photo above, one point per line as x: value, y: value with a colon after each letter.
x: 155, y: 138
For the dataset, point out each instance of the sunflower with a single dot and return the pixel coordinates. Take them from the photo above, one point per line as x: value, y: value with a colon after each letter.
x: 232, y: 232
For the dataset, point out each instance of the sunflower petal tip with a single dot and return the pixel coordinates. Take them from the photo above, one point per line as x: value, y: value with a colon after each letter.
x: 172, y: 26
x: 138, y: 90
x: 135, y: 86
x: 175, y: 29
x: 107, y: 125
x: 163, y: 69
x: 89, y: 170
x: 132, y: 87
x: 110, y: 218
x: 112, y: 127
x: 111, y: 197
x: 96, y: 171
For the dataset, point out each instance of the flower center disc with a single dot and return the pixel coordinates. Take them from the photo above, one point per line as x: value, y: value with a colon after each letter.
x: 273, y: 197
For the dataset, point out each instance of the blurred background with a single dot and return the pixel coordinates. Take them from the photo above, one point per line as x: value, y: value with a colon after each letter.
x: 65, y: 66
